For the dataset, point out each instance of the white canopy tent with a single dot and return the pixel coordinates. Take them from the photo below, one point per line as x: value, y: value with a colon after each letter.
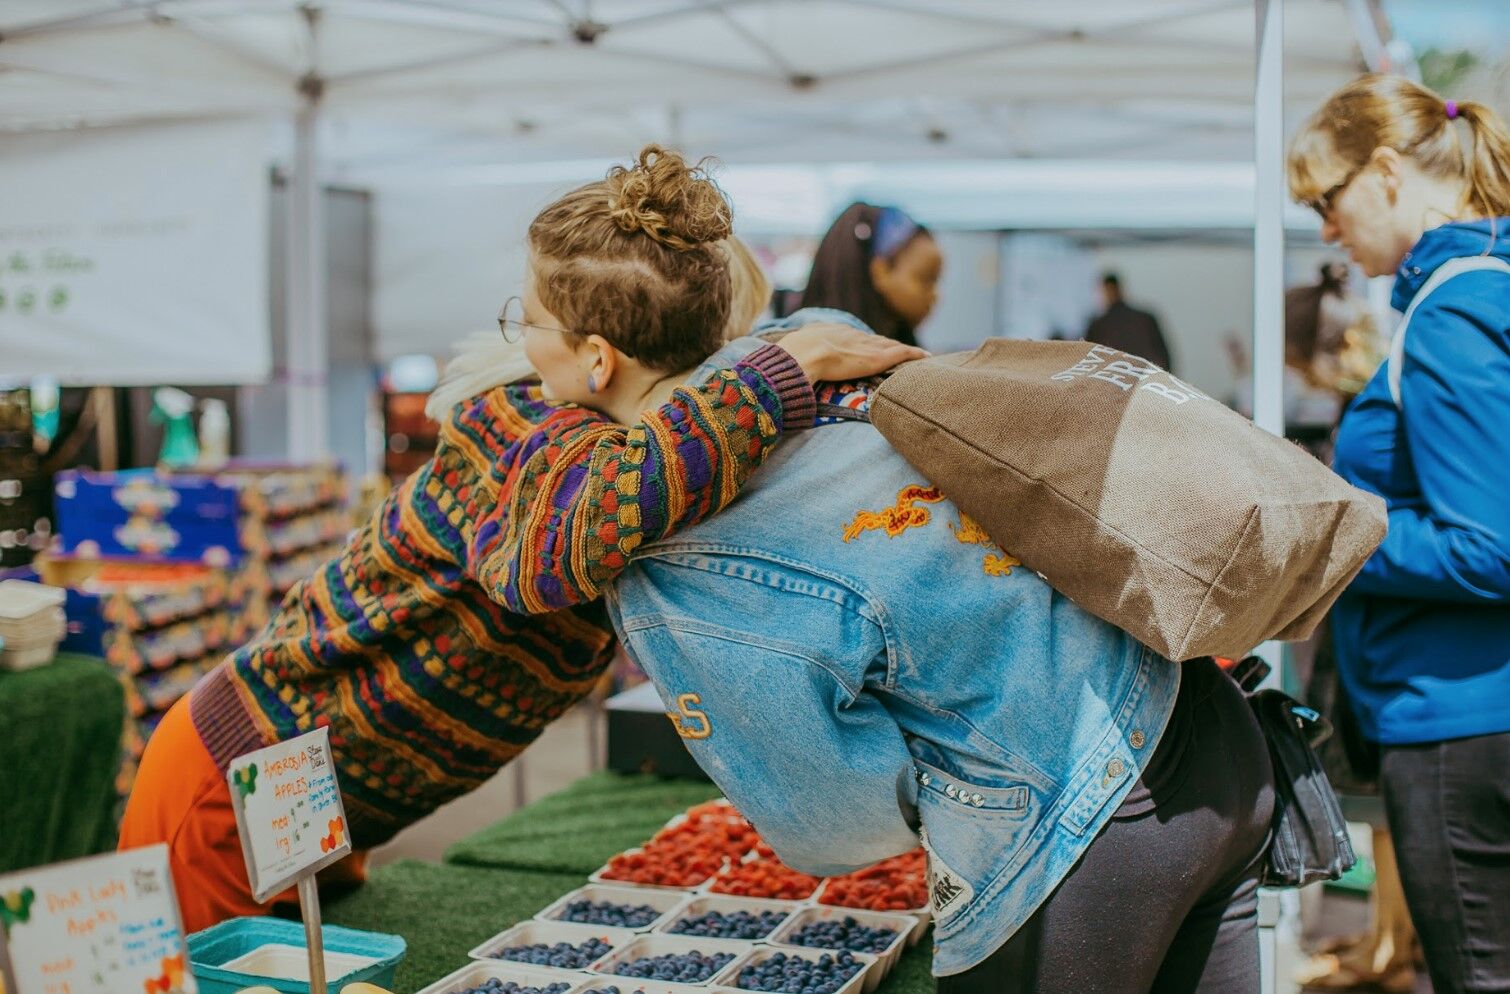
x: 403, y: 92
x: 986, y: 113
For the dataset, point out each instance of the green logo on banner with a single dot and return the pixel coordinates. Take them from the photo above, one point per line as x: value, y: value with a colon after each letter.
x: 15, y: 907
x: 246, y: 780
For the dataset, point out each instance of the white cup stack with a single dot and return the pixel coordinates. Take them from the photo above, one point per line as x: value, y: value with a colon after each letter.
x: 31, y: 623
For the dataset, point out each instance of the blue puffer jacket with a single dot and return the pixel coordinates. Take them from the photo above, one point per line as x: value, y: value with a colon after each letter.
x: 1423, y: 634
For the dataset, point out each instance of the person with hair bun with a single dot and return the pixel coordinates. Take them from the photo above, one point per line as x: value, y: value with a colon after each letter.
x: 861, y: 670
x: 1418, y: 187
x: 461, y: 618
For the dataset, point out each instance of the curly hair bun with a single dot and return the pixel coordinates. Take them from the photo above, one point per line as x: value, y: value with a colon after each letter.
x: 676, y: 204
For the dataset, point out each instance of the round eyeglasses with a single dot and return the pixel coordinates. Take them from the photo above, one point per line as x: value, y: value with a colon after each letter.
x: 511, y: 322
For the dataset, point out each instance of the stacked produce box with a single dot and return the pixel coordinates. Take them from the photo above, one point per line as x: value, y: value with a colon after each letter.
x: 160, y: 625
x: 705, y: 907
x: 278, y: 522
x: 168, y: 572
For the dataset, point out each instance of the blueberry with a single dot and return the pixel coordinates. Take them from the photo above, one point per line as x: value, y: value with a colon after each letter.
x: 846, y: 934
x: 562, y: 955
x: 613, y: 915
x: 496, y: 986
x: 693, y: 967
x: 736, y: 925
x: 783, y: 974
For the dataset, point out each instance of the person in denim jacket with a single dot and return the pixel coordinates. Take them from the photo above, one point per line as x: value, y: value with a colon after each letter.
x: 861, y: 669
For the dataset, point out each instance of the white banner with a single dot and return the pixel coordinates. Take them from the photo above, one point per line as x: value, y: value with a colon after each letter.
x: 288, y: 812
x: 103, y: 925
x: 136, y: 256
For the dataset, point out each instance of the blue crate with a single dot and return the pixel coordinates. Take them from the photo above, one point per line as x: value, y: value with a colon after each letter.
x: 222, y: 943
x: 146, y: 514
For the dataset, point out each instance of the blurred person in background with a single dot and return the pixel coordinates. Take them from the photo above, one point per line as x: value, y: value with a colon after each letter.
x: 879, y: 265
x: 1408, y: 183
x: 1127, y: 329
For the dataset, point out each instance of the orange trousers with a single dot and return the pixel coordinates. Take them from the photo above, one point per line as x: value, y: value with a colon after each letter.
x: 180, y: 797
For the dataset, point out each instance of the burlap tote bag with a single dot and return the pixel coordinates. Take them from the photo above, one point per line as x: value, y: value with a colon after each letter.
x: 1147, y: 503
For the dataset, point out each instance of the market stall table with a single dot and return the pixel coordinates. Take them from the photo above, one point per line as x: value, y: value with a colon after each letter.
x: 510, y: 870
x: 60, y: 745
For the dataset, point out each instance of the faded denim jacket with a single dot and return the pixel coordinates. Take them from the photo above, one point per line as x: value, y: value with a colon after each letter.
x: 856, y: 665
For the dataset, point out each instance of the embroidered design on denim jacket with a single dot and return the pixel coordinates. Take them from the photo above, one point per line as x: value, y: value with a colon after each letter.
x: 685, y: 712
x: 970, y: 532
x: 898, y: 518
x: 1000, y: 565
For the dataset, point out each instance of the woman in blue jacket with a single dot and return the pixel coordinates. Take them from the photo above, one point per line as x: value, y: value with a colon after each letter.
x: 1419, y: 187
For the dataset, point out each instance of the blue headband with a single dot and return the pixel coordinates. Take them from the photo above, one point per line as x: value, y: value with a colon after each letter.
x: 893, y: 231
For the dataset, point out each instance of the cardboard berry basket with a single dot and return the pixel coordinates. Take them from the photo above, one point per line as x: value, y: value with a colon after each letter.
x: 867, y: 980
x: 476, y: 974
x: 662, y: 899
x: 921, y: 915
x: 534, y: 932
x: 598, y: 877
x: 647, y: 946
x: 727, y: 904
x: 904, y: 925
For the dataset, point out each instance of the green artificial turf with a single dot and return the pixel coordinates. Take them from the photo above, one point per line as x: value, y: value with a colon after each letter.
x: 443, y: 911
x: 577, y: 829
x: 60, y: 748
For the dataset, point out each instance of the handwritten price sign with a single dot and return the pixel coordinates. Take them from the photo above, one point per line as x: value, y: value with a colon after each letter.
x: 104, y: 925
x: 288, y: 810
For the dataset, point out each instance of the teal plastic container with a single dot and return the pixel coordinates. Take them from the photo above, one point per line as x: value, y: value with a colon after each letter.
x: 218, y: 945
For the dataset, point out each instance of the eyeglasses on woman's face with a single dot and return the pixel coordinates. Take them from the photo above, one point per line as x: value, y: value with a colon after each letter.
x: 1323, y: 204
x: 512, y: 324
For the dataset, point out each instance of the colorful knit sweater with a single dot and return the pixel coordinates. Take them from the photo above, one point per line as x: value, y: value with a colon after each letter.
x: 460, y: 620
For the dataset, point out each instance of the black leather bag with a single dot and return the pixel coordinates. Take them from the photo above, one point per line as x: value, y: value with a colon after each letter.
x: 1309, y: 841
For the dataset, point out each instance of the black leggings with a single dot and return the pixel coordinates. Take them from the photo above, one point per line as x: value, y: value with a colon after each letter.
x: 1449, y: 815
x: 1166, y: 898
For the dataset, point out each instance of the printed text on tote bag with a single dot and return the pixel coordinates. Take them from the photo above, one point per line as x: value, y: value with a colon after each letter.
x: 1127, y: 372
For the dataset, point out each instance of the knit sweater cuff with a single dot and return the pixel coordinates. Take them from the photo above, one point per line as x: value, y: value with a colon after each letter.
x: 224, y: 726
x: 781, y: 371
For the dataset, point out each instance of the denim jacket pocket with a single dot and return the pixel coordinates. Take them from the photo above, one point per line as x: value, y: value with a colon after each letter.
x: 971, y: 831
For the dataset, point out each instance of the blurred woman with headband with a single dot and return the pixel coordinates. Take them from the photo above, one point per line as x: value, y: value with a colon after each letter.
x: 879, y: 265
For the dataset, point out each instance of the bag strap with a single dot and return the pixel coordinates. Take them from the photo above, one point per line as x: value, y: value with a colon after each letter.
x: 1445, y: 272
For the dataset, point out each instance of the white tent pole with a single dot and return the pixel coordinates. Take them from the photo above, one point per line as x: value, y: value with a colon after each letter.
x: 1268, y: 219
x: 1278, y: 917
x: 308, y: 346
x: 307, y: 324
x: 1268, y: 366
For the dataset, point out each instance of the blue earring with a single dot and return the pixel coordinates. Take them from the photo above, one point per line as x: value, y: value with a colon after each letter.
x: 592, y: 383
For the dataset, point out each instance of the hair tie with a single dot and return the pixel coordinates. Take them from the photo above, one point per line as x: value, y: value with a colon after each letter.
x: 1452, y: 110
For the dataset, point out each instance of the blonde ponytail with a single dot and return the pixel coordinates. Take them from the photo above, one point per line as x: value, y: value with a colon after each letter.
x: 1488, y: 161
